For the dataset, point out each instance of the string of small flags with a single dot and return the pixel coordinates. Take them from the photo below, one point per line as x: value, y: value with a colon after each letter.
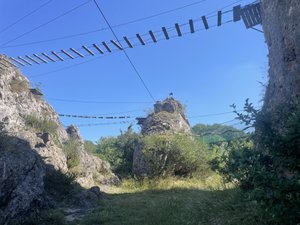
x: 94, y: 117
x: 103, y: 124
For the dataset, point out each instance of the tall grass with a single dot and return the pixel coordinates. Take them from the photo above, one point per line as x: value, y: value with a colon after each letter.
x: 175, y: 202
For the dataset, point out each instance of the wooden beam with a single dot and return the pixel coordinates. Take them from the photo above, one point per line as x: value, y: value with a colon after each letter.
x: 76, y: 52
x: 88, y: 50
x: 33, y: 60
x: 128, y: 42
x: 236, y: 13
x: 40, y: 58
x: 178, y: 29
x: 116, y: 44
x: 106, y: 46
x: 48, y: 57
x: 165, y: 33
x: 56, y: 54
x: 67, y: 54
x: 152, y: 36
x: 99, y: 49
x: 204, y: 20
x: 140, y: 39
x: 24, y: 60
x: 219, y: 18
x: 17, y: 61
x: 192, y: 28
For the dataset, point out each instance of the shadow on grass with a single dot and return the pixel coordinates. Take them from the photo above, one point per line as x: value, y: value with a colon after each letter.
x: 176, y: 207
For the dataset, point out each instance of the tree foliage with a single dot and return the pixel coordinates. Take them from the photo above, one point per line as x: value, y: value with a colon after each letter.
x: 216, y: 133
x: 270, y: 172
x: 118, y: 151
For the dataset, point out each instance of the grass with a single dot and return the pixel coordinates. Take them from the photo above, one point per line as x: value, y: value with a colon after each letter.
x: 70, y: 148
x: 40, y: 124
x: 175, y: 202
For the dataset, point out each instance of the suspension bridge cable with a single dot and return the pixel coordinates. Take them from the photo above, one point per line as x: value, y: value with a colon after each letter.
x: 125, y: 53
x: 69, y: 67
x: 158, y: 14
x: 25, y: 16
x: 46, y: 23
x: 208, y: 115
x: 146, y: 40
x: 119, y: 25
x: 99, y: 102
x: 107, y: 28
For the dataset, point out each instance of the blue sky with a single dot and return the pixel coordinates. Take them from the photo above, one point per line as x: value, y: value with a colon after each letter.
x: 207, y: 71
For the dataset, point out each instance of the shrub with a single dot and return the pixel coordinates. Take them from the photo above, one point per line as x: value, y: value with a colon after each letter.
x: 19, y: 85
x: 70, y: 148
x: 270, y: 172
x: 170, y: 155
x: 40, y: 124
x: 119, y: 151
x: 90, y: 147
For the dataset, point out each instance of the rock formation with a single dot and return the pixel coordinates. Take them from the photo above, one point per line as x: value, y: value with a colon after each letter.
x: 37, y: 149
x: 281, y: 23
x: 168, y: 118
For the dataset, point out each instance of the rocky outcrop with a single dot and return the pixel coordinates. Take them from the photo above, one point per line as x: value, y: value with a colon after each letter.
x: 92, y: 169
x: 21, y: 181
x: 281, y: 23
x: 168, y: 118
x: 27, y: 116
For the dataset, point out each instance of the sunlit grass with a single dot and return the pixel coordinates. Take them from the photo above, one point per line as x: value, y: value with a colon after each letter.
x: 175, y: 201
x: 214, y: 182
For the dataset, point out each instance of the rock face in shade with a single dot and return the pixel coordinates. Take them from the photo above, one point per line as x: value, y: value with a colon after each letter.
x: 36, y: 148
x: 168, y: 118
x: 21, y: 181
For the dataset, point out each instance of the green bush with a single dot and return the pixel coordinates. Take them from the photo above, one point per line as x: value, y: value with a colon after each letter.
x: 171, y: 155
x: 118, y: 151
x: 90, y: 147
x: 70, y: 148
x: 40, y: 124
x: 270, y: 172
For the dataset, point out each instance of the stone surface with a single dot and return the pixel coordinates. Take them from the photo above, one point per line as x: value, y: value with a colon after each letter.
x: 92, y: 170
x: 21, y: 181
x: 168, y: 118
x: 281, y: 23
x: 44, y: 147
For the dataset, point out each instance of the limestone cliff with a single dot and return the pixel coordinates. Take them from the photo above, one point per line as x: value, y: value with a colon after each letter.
x: 38, y: 148
x: 281, y: 23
